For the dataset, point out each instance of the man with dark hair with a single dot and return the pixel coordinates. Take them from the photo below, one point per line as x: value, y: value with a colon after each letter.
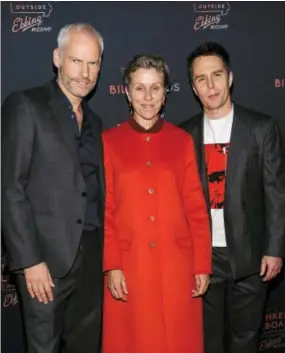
x: 241, y: 165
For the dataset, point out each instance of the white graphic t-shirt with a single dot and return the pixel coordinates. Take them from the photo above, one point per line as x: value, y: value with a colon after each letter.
x: 217, y: 134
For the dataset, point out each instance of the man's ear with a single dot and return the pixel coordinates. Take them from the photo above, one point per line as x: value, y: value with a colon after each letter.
x: 231, y: 79
x: 56, y: 57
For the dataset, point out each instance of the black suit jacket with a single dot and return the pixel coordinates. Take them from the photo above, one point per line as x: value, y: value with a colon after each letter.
x: 254, y: 208
x: 43, y: 202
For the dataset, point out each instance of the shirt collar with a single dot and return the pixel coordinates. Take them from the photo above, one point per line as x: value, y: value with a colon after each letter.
x: 138, y: 128
x: 230, y: 116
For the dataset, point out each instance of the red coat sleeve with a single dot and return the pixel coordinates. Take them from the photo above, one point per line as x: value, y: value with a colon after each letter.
x: 197, y: 214
x: 112, y: 255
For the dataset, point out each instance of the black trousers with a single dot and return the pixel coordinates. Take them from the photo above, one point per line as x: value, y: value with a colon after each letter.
x: 233, y: 309
x: 71, y: 323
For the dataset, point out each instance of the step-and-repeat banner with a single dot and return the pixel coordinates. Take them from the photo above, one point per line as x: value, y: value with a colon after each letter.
x: 253, y: 33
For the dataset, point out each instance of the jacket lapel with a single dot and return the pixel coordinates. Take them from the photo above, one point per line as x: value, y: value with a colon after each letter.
x: 61, y: 119
x: 198, y: 137
x: 238, y: 143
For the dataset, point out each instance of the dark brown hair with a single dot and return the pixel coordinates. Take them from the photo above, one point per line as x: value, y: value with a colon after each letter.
x: 208, y: 49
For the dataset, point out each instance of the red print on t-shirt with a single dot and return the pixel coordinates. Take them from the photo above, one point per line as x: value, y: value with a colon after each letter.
x: 216, y: 156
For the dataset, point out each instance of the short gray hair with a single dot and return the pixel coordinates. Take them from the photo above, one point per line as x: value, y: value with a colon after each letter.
x: 78, y: 27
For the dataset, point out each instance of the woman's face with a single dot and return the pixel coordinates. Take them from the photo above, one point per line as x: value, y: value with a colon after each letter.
x: 146, y: 93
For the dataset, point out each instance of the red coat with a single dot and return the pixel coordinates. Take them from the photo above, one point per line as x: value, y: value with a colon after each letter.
x: 157, y: 231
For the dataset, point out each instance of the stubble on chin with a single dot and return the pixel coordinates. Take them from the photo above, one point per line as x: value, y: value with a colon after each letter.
x: 70, y: 85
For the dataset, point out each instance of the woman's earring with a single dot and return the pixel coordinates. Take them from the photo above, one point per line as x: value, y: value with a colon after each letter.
x: 131, y: 107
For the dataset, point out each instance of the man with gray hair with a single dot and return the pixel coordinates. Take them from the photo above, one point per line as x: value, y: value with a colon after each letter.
x: 53, y: 199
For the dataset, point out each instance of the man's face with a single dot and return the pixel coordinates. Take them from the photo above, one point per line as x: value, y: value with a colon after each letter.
x: 211, y: 82
x: 78, y: 64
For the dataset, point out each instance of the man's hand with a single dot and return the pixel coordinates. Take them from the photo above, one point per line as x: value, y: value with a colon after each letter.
x: 270, y: 267
x: 202, y: 284
x: 39, y: 282
x: 117, y: 284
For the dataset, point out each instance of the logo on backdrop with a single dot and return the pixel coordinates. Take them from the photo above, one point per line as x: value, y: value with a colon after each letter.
x: 211, y: 15
x: 120, y: 89
x: 273, y: 335
x: 30, y: 16
x: 9, y: 295
x: 279, y: 82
